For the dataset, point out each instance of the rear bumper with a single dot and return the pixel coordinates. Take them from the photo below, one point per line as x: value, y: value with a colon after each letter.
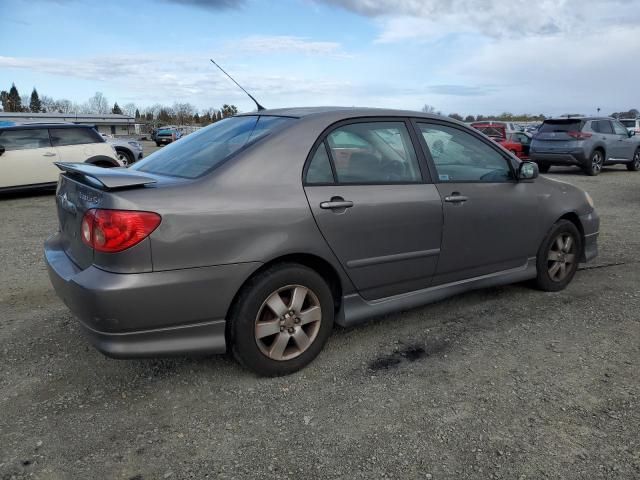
x: 591, y: 227
x: 566, y: 158
x: 148, y: 314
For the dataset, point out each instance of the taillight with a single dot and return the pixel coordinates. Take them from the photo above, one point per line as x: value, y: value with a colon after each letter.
x: 579, y: 135
x: 116, y: 230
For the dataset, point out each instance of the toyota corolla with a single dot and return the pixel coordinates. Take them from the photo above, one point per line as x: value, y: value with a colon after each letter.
x: 258, y: 233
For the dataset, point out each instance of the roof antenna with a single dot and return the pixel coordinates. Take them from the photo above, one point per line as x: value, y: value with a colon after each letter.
x: 260, y: 107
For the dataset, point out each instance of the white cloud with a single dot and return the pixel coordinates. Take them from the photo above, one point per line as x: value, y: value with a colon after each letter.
x: 287, y: 44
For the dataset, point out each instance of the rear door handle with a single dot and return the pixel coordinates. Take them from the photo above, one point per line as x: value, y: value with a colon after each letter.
x: 336, y: 203
x: 455, y: 197
x: 48, y: 154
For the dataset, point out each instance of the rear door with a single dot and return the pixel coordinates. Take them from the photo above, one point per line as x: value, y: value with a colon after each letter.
x: 487, y: 214
x: 524, y: 140
x: 28, y: 157
x: 371, y: 197
x: 77, y: 144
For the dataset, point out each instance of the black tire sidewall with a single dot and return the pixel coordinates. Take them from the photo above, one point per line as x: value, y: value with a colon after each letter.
x: 543, y: 280
x: 544, y: 167
x: 632, y: 166
x: 127, y: 155
x: 241, y: 329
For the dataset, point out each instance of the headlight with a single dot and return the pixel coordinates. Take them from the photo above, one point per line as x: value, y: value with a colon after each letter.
x: 589, y: 200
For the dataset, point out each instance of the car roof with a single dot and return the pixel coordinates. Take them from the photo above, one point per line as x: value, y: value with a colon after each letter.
x: 343, y: 113
x: 555, y: 119
x: 35, y: 125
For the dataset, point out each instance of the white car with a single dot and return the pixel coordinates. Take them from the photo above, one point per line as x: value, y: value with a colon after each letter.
x: 633, y: 125
x: 28, y: 152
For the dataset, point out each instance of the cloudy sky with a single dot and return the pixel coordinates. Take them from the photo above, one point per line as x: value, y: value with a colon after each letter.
x: 463, y: 56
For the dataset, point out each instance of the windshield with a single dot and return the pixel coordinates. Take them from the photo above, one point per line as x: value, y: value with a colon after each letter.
x: 202, y: 151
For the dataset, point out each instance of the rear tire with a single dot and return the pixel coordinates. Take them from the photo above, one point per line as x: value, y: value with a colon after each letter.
x: 281, y: 320
x: 634, y: 166
x: 558, y: 257
x: 595, y: 164
x: 158, y: 144
x: 543, y: 167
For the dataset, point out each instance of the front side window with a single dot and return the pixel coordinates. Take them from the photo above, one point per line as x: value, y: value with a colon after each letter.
x: 375, y: 152
x: 198, y: 153
x: 24, y: 139
x: 620, y: 130
x: 462, y: 157
x: 61, y: 137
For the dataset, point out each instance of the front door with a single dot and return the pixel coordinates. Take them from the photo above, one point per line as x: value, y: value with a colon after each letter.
x: 28, y: 157
x: 624, y: 147
x: 487, y: 213
x: 382, y: 220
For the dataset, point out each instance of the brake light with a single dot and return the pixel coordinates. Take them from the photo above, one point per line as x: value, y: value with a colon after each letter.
x: 579, y: 135
x: 113, y: 231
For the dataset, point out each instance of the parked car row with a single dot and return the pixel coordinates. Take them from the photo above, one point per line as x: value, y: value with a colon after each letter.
x: 587, y: 142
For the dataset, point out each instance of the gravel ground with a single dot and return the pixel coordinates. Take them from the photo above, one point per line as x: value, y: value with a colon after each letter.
x: 500, y: 383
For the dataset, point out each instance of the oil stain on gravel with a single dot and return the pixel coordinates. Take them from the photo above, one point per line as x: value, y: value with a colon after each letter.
x: 408, y: 353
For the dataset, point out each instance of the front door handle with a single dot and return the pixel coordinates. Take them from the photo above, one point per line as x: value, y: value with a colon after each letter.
x: 455, y: 197
x: 336, y: 203
x: 48, y: 154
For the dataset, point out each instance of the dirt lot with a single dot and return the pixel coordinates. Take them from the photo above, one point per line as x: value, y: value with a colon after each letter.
x: 502, y: 383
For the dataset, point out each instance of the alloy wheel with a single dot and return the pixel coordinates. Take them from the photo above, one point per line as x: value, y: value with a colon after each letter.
x: 636, y: 160
x: 596, y: 162
x: 561, y: 257
x: 288, y: 322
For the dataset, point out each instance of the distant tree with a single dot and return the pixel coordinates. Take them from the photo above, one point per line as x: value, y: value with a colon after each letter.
x: 206, y: 118
x: 229, y: 110
x: 34, y: 104
x: 469, y: 118
x: 455, y: 116
x: 183, y: 112
x: 428, y: 108
x: 164, y: 115
x: 129, y: 109
x: 137, y: 114
x: 116, y: 109
x: 196, y: 118
x: 97, y: 104
x: 480, y: 118
x: 14, y: 102
x: 4, y: 98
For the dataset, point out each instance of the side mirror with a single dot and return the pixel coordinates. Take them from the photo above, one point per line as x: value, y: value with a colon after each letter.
x: 528, y: 171
x: 631, y: 132
x: 1, y: 149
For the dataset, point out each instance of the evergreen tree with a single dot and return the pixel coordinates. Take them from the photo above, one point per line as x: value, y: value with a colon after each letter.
x: 4, y: 98
x: 469, y: 118
x: 137, y: 114
x: 14, y: 102
x: 35, y: 105
x: 229, y: 110
x: 196, y: 118
x: 116, y: 109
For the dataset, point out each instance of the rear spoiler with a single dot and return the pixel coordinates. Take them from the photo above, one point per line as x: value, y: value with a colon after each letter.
x: 107, y: 178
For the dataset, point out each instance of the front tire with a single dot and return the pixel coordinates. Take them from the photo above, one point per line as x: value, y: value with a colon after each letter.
x: 634, y: 166
x: 125, y: 157
x: 558, y: 257
x: 281, y: 320
x: 596, y: 162
x: 543, y: 167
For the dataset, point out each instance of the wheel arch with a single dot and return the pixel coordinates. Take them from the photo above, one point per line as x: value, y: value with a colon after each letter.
x: 575, y: 219
x: 318, y: 264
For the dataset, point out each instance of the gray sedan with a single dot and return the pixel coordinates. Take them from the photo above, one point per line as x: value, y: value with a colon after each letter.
x: 259, y: 232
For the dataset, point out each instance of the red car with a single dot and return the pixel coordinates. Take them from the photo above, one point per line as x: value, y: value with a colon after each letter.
x: 517, y: 143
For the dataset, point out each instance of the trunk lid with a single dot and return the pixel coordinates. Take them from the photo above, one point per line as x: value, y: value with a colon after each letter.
x: 82, y: 187
x: 554, y: 136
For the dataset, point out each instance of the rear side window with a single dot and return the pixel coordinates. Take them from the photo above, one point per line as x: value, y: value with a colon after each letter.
x: 200, y: 152
x: 61, y: 137
x: 24, y: 139
x: 601, y: 126
x: 320, y: 167
x: 550, y: 126
x: 376, y: 152
x: 628, y: 123
x: 619, y: 129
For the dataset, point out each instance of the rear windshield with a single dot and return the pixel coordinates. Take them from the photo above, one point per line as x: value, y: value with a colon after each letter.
x: 492, y: 131
x: 560, y: 126
x: 200, y: 152
x: 628, y: 123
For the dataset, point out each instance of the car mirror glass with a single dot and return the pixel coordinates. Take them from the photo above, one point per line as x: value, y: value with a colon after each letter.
x: 1, y: 149
x: 528, y: 171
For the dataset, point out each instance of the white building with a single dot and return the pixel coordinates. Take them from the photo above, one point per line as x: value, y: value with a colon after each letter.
x: 109, y: 123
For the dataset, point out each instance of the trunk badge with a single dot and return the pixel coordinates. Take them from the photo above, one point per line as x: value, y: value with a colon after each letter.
x: 66, y: 204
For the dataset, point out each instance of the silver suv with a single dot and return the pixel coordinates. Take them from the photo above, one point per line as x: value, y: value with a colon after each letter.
x: 587, y: 142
